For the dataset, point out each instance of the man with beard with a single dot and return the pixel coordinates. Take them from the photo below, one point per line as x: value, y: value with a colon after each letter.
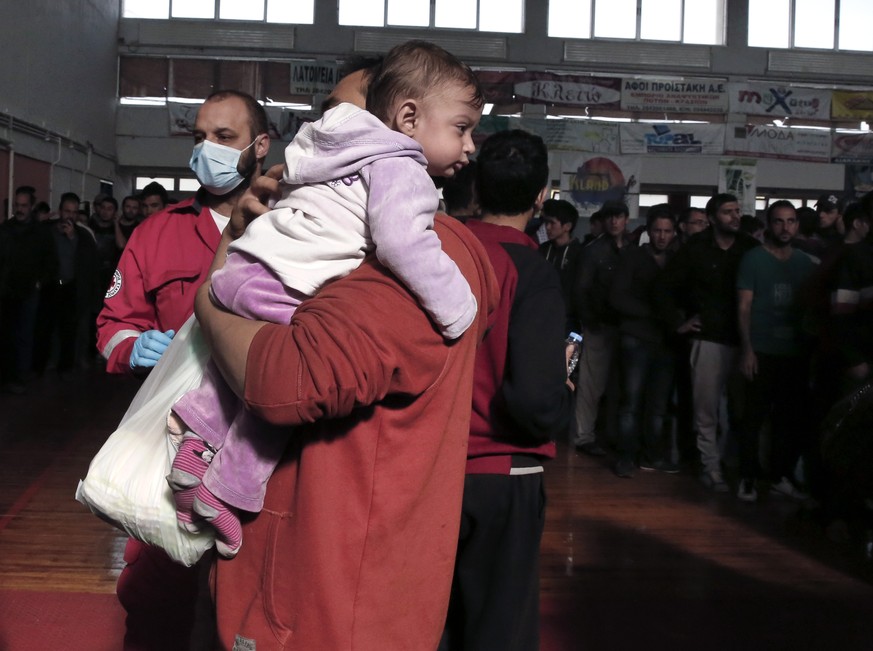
x: 773, y: 357
x: 152, y: 291
x: 645, y: 350
x: 699, y: 299
x: 599, y: 320
x: 129, y: 219
x: 151, y: 296
x: 26, y: 251
x: 830, y: 220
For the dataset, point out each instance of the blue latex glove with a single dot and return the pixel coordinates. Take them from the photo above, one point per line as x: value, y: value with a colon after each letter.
x: 149, y: 347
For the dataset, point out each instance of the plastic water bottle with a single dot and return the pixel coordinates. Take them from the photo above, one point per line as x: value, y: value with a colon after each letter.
x: 574, y: 340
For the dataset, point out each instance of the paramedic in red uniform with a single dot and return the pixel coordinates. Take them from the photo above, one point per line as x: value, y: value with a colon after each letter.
x: 150, y: 298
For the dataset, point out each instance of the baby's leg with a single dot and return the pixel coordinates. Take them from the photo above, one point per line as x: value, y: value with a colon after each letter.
x: 248, y: 288
x: 206, y: 414
x: 237, y: 478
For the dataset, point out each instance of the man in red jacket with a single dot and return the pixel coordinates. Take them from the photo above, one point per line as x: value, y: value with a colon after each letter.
x: 166, y: 258
x: 355, y: 545
x: 151, y: 296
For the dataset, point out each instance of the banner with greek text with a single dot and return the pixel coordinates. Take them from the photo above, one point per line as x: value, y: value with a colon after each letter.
x: 778, y: 142
x: 590, y: 180
x: 762, y: 98
x: 313, y: 77
x: 551, y: 89
x: 668, y: 138
x: 673, y: 96
x: 853, y: 105
x: 738, y: 176
x: 852, y: 148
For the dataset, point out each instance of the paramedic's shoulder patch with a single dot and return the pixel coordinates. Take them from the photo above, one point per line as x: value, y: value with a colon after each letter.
x: 115, y: 285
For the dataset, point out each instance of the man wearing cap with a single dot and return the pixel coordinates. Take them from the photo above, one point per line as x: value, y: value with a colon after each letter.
x: 830, y: 221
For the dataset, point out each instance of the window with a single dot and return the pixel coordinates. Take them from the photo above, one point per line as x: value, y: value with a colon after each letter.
x: 168, y: 182
x: 156, y: 80
x: 817, y: 24
x: 678, y: 21
x: 649, y: 200
x: 483, y: 15
x: 856, y: 16
x: 271, y: 11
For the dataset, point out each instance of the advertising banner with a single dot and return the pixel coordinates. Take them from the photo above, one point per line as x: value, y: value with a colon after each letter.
x: 182, y: 117
x: 859, y: 180
x: 737, y: 176
x: 575, y: 135
x: 852, y: 148
x: 664, y: 138
x: 550, y: 88
x: 284, y: 123
x: 778, y: 142
x: 589, y: 180
x: 780, y: 101
x: 313, y: 77
x: 852, y: 105
x: 674, y: 96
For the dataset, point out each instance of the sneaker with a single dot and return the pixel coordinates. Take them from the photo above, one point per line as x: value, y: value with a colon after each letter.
x: 662, y: 465
x: 591, y: 449
x: 624, y: 468
x: 786, y: 488
x: 714, y: 481
x: 747, y: 491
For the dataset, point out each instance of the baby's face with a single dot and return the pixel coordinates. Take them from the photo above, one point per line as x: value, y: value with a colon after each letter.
x: 445, y: 130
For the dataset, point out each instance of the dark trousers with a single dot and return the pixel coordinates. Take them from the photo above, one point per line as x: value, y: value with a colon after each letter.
x: 646, y: 385
x: 683, y: 407
x: 495, y: 591
x: 17, y: 323
x: 57, y: 314
x: 778, y: 390
x: 163, y: 601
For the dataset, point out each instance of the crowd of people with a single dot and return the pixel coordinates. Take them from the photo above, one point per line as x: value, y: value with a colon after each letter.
x: 717, y: 342
x: 373, y: 466
x: 55, y: 268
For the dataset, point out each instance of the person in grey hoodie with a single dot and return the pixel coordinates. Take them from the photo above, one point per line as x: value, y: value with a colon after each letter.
x: 356, y: 182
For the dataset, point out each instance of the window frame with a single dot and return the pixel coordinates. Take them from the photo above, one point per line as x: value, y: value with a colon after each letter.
x: 216, y: 16
x: 792, y: 22
x: 432, y: 18
x: 638, y: 27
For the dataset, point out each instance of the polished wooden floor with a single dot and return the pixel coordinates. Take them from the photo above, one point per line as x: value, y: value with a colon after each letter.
x: 652, y: 562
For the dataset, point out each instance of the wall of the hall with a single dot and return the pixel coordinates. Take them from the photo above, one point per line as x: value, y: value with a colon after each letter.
x: 143, y: 142
x: 58, y: 91
x: 59, y: 69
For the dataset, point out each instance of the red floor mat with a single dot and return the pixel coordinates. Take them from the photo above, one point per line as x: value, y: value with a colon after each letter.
x: 68, y: 621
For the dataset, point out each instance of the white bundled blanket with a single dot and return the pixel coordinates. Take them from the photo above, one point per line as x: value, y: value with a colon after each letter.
x: 126, y: 482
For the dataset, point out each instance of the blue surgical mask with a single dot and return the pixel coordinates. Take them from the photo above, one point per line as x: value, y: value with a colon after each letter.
x: 215, y: 166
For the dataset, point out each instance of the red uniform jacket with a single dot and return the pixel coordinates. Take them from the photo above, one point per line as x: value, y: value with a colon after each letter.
x: 355, y: 546
x: 165, y: 261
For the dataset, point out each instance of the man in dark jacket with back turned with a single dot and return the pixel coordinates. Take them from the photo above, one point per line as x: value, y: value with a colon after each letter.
x: 520, y: 404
